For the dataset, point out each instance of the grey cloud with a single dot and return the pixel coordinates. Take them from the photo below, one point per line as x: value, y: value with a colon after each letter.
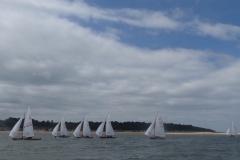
x: 63, y: 69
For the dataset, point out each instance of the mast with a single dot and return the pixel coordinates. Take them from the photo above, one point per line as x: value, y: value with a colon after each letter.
x: 154, y: 126
x: 24, y: 115
x: 83, y: 124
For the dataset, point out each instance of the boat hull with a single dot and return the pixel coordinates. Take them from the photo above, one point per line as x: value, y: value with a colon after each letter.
x: 31, y: 139
x: 62, y: 136
x: 157, y: 137
x: 84, y: 137
x: 107, y: 137
x: 232, y: 136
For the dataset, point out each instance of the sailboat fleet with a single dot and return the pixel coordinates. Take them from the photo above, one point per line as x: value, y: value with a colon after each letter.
x: 105, y: 130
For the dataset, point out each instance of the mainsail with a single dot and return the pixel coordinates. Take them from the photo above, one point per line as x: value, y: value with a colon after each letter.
x: 28, y: 126
x: 159, y: 128
x: 63, y: 128
x: 109, y: 129
x: 86, y: 128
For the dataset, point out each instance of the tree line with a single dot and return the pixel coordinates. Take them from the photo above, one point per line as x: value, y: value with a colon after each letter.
x: 118, y: 126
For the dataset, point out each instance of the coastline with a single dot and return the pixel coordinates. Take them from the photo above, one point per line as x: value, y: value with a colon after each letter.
x: 130, y: 133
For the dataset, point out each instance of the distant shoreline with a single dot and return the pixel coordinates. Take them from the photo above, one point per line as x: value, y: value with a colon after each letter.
x: 131, y: 133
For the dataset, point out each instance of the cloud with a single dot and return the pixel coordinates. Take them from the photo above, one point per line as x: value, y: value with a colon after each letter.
x: 173, y: 19
x: 61, y: 68
x: 218, y: 30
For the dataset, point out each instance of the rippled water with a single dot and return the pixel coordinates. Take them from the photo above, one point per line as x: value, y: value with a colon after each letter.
x: 174, y: 147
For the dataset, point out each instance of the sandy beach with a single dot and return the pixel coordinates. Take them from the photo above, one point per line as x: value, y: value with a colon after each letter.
x: 131, y: 133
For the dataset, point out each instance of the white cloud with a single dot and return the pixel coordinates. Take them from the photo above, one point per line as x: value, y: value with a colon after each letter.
x: 218, y: 30
x: 168, y: 20
x: 61, y: 68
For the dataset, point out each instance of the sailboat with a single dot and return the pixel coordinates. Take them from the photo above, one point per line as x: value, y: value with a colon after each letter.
x: 156, y: 129
x: 232, y: 130
x: 63, y: 130
x: 86, y: 132
x: 109, y: 132
x: 28, y: 133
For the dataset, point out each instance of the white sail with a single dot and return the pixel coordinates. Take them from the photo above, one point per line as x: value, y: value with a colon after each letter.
x: 86, y: 128
x: 233, y: 129
x: 159, y: 128
x: 228, y: 131
x: 109, y: 129
x: 76, y: 133
x: 15, y: 129
x: 55, y: 130
x: 99, y: 131
x: 28, y: 126
x: 63, y: 128
x: 149, y: 131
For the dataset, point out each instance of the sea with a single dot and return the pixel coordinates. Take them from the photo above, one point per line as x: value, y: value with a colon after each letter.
x: 124, y: 147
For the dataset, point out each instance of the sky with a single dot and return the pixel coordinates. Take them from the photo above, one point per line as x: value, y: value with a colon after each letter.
x: 130, y: 59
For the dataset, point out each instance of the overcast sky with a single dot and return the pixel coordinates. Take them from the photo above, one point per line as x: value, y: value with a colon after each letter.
x: 127, y: 58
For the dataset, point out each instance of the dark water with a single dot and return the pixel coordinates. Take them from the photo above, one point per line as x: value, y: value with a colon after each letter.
x: 174, y: 147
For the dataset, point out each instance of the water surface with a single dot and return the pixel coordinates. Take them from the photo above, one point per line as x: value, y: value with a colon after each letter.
x: 174, y: 147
